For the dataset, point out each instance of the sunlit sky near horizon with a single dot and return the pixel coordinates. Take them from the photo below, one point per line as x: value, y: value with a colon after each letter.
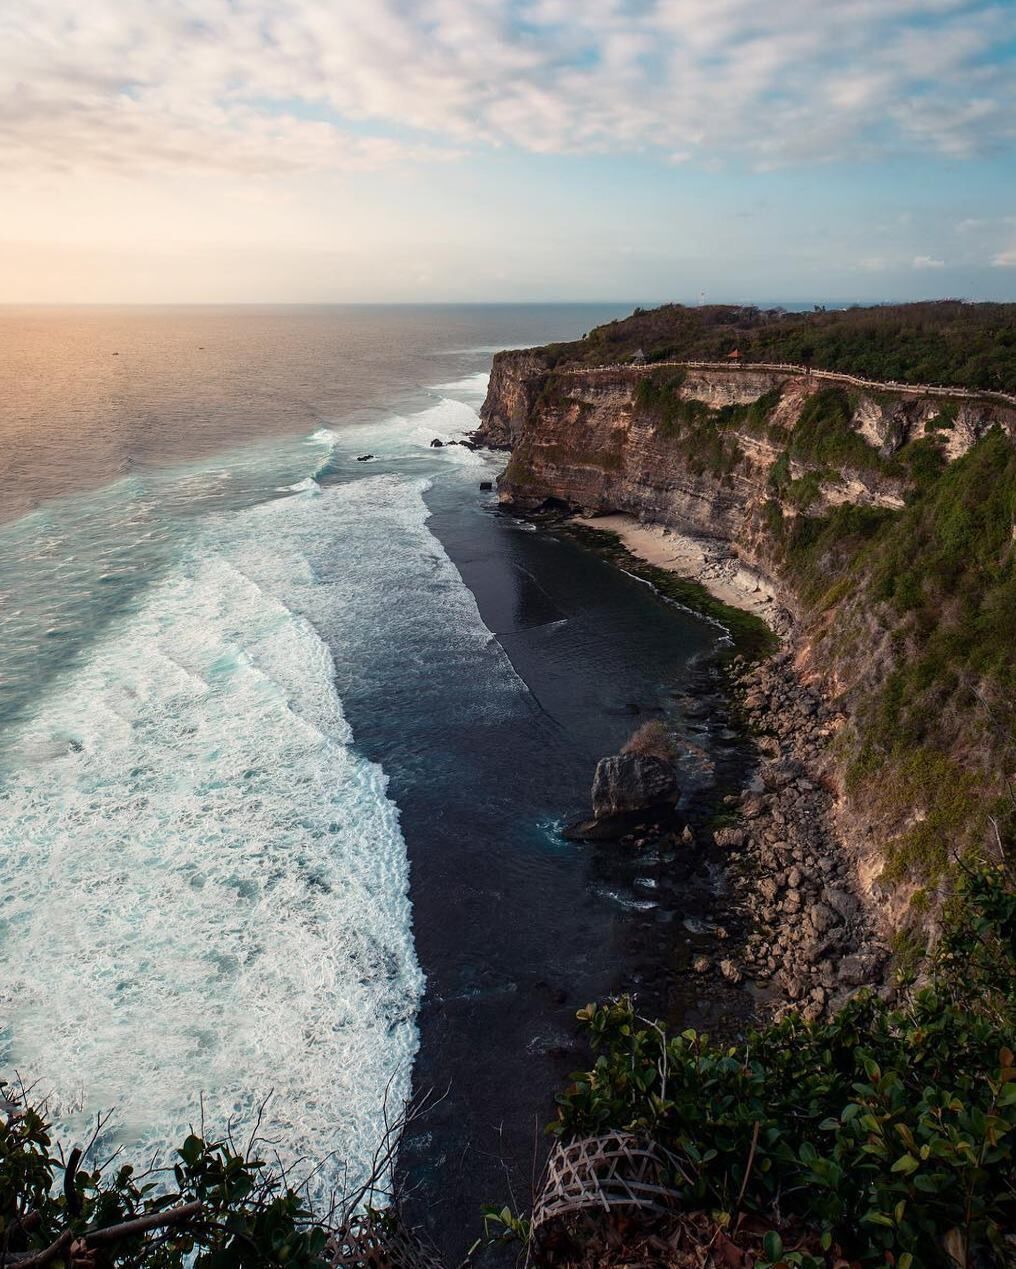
x: 390, y: 150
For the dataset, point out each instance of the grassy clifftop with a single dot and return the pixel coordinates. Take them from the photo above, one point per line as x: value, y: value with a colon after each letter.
x: 946, y: 342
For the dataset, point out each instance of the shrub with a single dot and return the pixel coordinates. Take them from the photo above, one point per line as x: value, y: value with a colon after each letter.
x: 652, y: 740
x: 213, y: 1208
x: 700, y: 429
x: 823, y: 434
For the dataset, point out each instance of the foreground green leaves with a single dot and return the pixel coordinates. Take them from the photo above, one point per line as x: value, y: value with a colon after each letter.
x: 214, y: 1210
x: 890, y: 1130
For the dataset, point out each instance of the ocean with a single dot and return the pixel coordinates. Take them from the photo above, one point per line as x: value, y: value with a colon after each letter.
x: 289, y: 737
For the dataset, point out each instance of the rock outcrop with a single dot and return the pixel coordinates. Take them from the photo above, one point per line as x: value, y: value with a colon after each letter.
x: 512, y: 393
x: 629, y: 783
x: 630, y: 791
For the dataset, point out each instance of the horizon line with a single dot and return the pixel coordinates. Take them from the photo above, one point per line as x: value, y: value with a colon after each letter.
x: 521, y: 303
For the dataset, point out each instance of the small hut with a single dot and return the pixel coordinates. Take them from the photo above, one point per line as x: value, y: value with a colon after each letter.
x: 734, y: 357
x: 638, y: 358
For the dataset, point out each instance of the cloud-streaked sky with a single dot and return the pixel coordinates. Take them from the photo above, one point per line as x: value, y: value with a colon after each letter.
x: 314, y: 150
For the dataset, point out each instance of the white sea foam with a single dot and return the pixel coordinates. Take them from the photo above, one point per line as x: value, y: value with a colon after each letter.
x: 203, y: 887
x: 403, y: 437
x: 448, y: 420
x: 472, y: 387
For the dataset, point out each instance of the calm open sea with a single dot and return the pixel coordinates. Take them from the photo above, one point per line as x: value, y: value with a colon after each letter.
x: 287, y: 737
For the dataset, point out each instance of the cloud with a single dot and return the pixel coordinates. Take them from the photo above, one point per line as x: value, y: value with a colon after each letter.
x: 927, y: 262
x: 268, y: 85
x: 1005, y: 259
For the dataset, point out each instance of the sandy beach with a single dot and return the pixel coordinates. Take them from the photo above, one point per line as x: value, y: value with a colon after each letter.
x: 708, y: 561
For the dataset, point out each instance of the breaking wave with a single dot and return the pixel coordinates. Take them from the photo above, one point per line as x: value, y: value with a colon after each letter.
x: 204, y: 886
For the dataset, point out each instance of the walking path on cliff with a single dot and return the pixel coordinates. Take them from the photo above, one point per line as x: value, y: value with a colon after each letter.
x: 834, y: 376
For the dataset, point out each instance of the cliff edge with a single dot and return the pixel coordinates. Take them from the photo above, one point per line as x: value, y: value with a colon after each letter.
x: 883, y: 516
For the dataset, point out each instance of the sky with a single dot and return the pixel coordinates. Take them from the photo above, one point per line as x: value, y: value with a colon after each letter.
x: 496, y: 150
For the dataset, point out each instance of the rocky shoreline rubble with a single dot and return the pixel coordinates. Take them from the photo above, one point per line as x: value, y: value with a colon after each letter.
x: 811, y: 937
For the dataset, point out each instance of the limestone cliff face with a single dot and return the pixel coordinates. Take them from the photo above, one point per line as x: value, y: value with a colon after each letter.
x: 586, y: 444
x: 588, y: 439
x: 515, y: 381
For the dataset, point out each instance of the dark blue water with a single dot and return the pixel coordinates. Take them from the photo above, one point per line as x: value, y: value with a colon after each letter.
x: 290, y: 738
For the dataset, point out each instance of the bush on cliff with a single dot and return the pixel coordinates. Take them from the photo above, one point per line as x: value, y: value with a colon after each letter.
x: 938, y: 732
x: 917, y: 617
x: 700, y: 430
x: 887, y: 1135
x: 214, y: 1207
x: 824, y: 435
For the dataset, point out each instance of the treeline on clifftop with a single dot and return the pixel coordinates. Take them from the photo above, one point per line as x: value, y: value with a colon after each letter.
x: 945, y: 342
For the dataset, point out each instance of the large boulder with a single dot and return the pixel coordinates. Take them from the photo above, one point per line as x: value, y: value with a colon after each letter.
x: 629, y: 782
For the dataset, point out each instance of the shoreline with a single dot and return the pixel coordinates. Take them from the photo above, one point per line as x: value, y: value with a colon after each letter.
x: 708, y: 562
x: 810, y: 938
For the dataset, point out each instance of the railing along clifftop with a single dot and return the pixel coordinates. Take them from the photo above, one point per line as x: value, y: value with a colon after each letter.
x: 836, y: 376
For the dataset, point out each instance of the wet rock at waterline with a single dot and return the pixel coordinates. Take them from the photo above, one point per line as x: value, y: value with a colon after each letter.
x: 628, y: 790
x: 630, y: 782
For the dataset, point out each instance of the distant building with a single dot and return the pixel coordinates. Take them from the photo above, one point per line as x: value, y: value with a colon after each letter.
x: 735, y: 355
x: 639, y: 358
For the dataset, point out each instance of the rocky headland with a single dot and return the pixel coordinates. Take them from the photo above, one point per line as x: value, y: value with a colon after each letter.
x: 793, y: 494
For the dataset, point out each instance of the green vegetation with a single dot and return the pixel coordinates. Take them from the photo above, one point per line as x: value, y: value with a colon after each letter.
x: 885, y: 1136
x: 945, y: 419
x: 923, y: 460
x: 944, y: 571
x: 933, y: 721
x: 658, y: 395
x: 824, y: 435
x: 944, y: 342
x: 753, y: 417
x: 700, y: 429
x: 214, y: 1207
x: 818, y: 551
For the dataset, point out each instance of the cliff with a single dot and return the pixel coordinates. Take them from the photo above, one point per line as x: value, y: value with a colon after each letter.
x: 882, y: 514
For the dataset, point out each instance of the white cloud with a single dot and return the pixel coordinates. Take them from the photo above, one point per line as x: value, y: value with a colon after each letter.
x: 927, y: 262
x: 263, y: 85
x: 1005, y: 259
